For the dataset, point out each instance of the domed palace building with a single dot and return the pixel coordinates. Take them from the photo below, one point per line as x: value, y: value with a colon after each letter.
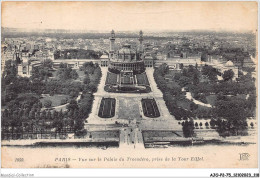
x: 126, y: 68
x: 126, y: 58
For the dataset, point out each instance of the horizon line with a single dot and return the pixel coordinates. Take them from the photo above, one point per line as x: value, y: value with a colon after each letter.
x: 143, y: 29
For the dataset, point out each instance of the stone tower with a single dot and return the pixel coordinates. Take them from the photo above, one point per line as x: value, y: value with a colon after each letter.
x: 141, y: 39
x: 112, y: 41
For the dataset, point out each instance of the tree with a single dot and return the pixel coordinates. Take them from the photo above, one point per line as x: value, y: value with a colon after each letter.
x: 10, y: 72
x: 55, y: 114
x: 252, y: 124
x: 47, y: 63
x: 163, y: 69
x: 184, y: 81
x: 228, y: 75
x: 58, y: 120
x: 234, y: 113
x: 86, y: 79
x: 38, y: 115
x: 181, y: 65
x: 5, y: 118
x: 47, y: 103
x: 207, y: 124
x: 72, y: 105
x: 92, y: 87
x: 210, y: 72
x: 188, y: 128
x: 61, y: 114
x: 32, y: 114
x: 196, y: 79
x: 65, y: 72
x: 48, y: 115
x: 74, y: 75
x: 177, y: 76
x: 196, y: 124
x: 193, y: 106
x: 251, y: 101
x: 212, y: 123
x: 204, y: 56
x: 41, y: 72
x: 64, y: 101
x: 52, y: 93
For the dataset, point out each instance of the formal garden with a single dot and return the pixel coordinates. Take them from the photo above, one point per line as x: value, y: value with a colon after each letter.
x: 111, y: 78
x: 107, y: 108
x: 127, y: 78
x: 126, y: 83
x: 150, y: 108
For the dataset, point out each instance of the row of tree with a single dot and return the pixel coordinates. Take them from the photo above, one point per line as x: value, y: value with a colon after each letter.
x: 77, y: 54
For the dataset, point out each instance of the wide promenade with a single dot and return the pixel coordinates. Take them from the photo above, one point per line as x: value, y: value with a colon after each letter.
x: 129, y: 118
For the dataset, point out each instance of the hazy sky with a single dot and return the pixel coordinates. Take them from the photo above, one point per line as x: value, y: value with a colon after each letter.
x: 119, y: 16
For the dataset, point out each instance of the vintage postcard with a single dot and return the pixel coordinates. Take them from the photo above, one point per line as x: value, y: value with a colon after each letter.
x: 129, y: 85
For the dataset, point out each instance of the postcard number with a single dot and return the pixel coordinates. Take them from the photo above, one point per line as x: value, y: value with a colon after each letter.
x: 19, y: 159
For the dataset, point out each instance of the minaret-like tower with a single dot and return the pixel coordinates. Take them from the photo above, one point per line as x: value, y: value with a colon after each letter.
x: 141, y: 39
x: 112, y: 41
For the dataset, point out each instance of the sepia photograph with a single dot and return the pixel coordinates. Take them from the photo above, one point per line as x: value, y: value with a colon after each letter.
x: 134, y: 84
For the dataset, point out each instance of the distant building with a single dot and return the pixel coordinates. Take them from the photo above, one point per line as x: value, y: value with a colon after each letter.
x: 223, y: 66
x: 176, y: 59
x: 179, y: 63
x: 24, y: 69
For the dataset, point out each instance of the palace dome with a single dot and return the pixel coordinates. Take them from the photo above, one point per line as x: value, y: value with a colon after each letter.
x: 126, y: 49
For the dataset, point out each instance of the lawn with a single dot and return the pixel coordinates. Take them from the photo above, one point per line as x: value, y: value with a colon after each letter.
x: 142, y: 79
x: 126, y: 80
x: 129, y: 108
x: 212, y: 98
x: 107, y: 108
x: 55, y: 99
x: 184, y: 103
x: 81, y: 75
x: 111, y: 79
x: 150, y: 108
